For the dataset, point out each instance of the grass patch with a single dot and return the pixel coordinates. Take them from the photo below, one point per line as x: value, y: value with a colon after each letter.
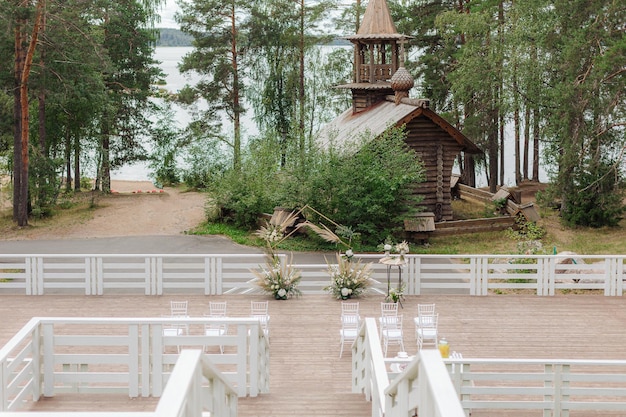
x: 72, y: 208
x: 240, y: 236
x: 77, y: 208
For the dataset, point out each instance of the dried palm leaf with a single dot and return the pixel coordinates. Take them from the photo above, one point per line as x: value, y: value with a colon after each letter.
x: 323, y: 232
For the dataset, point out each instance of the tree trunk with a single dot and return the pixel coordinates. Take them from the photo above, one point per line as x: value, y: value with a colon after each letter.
x: 68, y: 163
x: 76, y: 164
x: 301, y: 95
x: 535, y: 144
x: 17, y: 118
x: 236, y: 104
x: 24, y: 60
x: 105, y: 169
x: 526, y: 141
x: 499, y: 91
x: 516, y: 129
x: 468, y: 176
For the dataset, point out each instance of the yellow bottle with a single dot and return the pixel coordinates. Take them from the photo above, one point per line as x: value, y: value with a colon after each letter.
x: 444, y: 348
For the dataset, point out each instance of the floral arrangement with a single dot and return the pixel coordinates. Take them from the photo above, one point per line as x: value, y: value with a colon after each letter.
x: 394, y: 253
x: 280, y: 279
x: 395, y: 294
x: 348, y: 278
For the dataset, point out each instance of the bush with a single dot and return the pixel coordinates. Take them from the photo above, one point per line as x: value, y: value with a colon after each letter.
x: 86, y: 183
x: 597, y: 199
x: 243, y: 194
x: 367, y: 186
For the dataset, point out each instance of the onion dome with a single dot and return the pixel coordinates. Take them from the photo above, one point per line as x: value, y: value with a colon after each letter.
x: 401, y: 82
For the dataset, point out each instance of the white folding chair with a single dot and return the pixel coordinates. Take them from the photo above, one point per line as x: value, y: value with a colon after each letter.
x: 178, y: 308
x: 349, y: 330
x: 425, y: 309
x: 426, y: 330
x: 387, y: 310
x: 174, y: 329
x: 392, y: 332
x: 349, y: 308
x: 217, y: 308
x: 260, y: 310
x: 215, y: 329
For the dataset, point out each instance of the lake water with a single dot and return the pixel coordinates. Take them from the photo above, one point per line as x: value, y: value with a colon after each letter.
x: 171, y: 56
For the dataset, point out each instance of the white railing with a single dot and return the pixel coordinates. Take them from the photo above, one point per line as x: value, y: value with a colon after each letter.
x: 231, y: 274
x: 555, y: 387
x: 187, y: 395
x: 195, y: 386
x: 436, y: 387
x: 123, y: 355
x: 424, y: 385
x: 369, y: 375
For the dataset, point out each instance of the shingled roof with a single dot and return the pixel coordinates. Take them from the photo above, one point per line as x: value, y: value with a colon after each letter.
x: 377, y: 23
x: 349, y: 127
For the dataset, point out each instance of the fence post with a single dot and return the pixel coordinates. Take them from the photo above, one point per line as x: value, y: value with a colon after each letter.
x: 48, y: 359
x: 146, y: 360
x: 133, y: 360
x: 619, y: 272
x: 414, y: 275
x: 156, y: 354
x: 28, y: 277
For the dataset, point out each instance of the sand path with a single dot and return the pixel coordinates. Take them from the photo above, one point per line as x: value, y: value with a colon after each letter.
x: 127, y: 212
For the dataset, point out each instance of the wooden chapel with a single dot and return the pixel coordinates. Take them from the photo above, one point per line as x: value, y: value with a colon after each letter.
x: 380, y: 99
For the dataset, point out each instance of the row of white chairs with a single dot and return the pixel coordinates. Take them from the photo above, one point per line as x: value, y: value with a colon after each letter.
x: 391, y: 331
x: 217, y: 309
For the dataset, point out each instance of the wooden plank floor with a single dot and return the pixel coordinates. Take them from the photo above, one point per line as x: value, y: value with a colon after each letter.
x: 307, y: 376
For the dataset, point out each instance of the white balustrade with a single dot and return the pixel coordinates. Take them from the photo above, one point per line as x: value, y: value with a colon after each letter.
x: 231, y: 274
x: 455, y: 387
x: 114, y: 355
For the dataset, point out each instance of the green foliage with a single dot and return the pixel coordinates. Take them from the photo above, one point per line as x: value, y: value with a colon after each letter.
x: 367, y: 186
x: 242, y: 195
x: 45, y: 183
x: 500, y: 203
x: 86, y: 183
x: 598, y: 199
x: 165, y: 151
x: 526, y: 230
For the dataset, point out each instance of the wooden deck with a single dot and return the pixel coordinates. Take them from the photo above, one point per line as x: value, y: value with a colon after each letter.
x: 307, y: 376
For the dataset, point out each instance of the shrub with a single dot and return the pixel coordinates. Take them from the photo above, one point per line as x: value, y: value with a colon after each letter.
x: 598, y: 198
x: 367, y: 186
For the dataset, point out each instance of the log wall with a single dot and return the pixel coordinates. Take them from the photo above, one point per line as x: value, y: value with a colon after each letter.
x: 438, y: 151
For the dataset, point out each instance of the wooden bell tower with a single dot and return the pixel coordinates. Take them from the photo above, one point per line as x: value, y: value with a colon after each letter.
x: 377, y: 57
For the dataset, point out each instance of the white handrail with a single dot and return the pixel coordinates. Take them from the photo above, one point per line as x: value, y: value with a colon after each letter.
x: 552, y: 386
x: 368, y: 367
x: 52, y: 355
x: 185, y: 395
x: 214, y: 274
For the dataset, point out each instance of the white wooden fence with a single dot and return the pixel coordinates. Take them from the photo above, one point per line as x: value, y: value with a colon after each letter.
x: 555, y: 387
x: 123, y: 355
x: 424, y: 385
x: 231, y: 274
x: 455, y: 387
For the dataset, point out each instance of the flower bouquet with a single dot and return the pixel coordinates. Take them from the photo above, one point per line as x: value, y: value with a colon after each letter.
x: 279, y: 279
x: 347, y: 278
x: 395, y: 294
